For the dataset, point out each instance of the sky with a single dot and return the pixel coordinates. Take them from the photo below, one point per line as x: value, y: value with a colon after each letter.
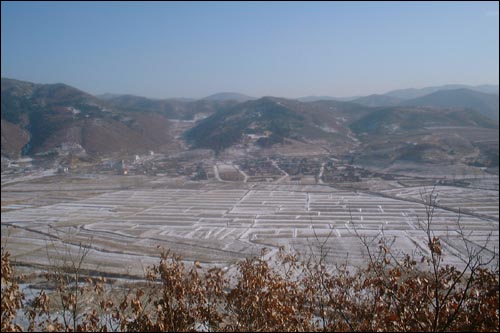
x: 286, y: 49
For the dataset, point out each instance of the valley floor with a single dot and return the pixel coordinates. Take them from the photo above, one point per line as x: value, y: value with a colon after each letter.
x: 124, y: 219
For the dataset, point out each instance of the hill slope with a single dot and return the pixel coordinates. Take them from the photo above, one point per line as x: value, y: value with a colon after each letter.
x: 386, y: 121
x: 272, y: 120
x: 426, y: 135
x: 40, y: 118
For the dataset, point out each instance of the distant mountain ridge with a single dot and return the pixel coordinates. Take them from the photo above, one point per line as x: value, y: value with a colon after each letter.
x: 414, y: 93
x: 229, y: 96
x: 326, y: 98
x: 486, y: 104
x: 393, y: 97
x: 461, y: 98
x: 170, y: 108
x: 110, y: 96
x: 378, y: 100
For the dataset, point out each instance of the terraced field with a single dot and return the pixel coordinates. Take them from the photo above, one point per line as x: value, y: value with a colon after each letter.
x: 220, y: 223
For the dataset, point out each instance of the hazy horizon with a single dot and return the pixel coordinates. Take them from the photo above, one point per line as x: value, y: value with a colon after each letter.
x: 193, y: 50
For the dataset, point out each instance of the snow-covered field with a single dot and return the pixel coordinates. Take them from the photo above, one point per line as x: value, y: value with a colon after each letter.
x: 220, y: 223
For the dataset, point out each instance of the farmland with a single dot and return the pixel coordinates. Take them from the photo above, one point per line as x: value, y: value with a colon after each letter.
x: 126, y: 218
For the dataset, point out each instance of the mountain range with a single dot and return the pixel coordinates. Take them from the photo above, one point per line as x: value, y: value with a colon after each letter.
x: 486, y: 104
x: 57, y: 119
x: 403, y: 94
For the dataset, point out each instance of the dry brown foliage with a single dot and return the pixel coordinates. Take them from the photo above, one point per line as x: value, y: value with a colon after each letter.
x: 12, y: 298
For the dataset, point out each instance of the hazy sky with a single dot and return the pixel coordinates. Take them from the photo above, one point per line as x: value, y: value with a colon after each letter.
x: 282, y: 49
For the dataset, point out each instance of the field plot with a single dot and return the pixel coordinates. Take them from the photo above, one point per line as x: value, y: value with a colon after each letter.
x: 228, y: 172
x: 220, y: 223
x: 483, y: 202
